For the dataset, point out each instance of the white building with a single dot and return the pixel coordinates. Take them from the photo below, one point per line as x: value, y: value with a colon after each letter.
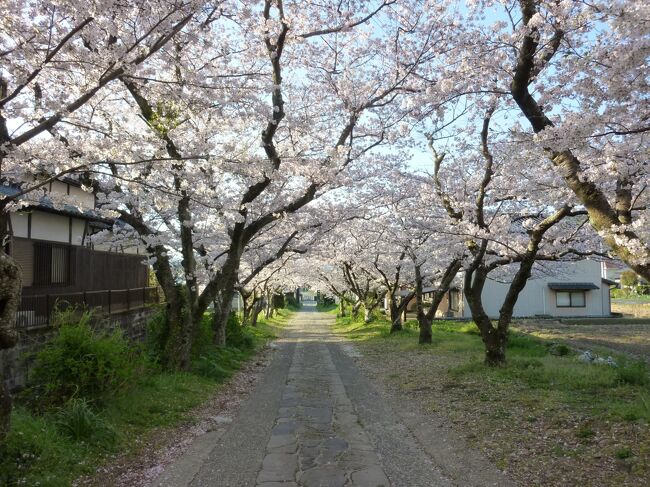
x: 581, y: 289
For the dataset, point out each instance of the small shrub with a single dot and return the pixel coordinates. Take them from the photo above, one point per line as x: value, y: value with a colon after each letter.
x: 79, y: 362
x: 633, y: 373
x: 623, y: 453
x: 209, y: 366
x: 635, y: 410
x: 292, y: 303
x: 585, y: 432
x: 79, y: 422
x: 156, y: 336
x: 526, y: 345
x: 203, y: 342
x: 219, y: 364
x: 526, y: 363
x: 236, y: 336
x: 279, y: 301
x: 559, y: 350
x: 470, y: 329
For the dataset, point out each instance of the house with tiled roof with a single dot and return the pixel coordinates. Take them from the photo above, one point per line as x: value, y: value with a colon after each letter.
x: 51, y: 240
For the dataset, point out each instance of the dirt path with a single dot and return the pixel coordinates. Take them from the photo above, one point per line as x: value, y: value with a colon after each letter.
x: 631, y: 339
x: 314, y: 419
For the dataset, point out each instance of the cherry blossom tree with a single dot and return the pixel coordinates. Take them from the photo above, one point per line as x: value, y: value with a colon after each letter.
x: 505, y: 225
x: 58, y: 61
x: 571, y: 78
x: 258, y: 117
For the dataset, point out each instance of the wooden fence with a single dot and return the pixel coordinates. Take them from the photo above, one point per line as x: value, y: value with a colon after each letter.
x: 36, y: 311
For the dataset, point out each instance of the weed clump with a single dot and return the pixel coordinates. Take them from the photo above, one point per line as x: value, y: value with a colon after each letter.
x: 81, y: 362
x: 79, y: 422
x: 633, y: 373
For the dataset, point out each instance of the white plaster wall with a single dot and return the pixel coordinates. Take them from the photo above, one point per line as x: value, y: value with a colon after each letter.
x: 78, y: 226
x: 87, y: 199
x: 19, y: 224
x: 606, y: 299
x: 75, y: 195
x: 59, y: 187
x: 48, y: 226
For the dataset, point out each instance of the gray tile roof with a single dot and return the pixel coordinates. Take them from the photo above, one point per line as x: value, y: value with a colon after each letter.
x: 577, y: 286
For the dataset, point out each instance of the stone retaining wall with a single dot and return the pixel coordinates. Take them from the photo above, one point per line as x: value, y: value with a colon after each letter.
x: 15, y: 362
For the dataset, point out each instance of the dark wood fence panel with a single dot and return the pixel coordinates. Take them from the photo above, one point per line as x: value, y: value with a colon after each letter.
x: 60, y: 268
x: 36, y: 310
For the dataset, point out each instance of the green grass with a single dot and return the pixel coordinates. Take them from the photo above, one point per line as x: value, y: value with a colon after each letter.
x: 535, y: 370
x: 623, y: 294
x: 58, y: 446
x: 327, y: 308
x: 269, y: 328
x: 39, y: 452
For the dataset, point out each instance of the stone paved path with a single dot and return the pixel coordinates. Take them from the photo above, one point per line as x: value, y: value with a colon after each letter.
x: 314, y: 420
x: 317, y: 439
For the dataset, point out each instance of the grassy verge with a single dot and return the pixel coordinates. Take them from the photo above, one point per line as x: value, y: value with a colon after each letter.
x: 327, y: 308
x: 53, y: 448
x: 590, y: 421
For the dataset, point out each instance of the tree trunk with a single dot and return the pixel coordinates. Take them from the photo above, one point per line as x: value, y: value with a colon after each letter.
x: 10, y: 292
x: 222, y: 307
x: 177, y: 341
x: 268, y: 313
x: 495, y: 340
x: 426, y: 335
x: 395, y: 316
x: 257, y: 308
x: 355, y: 309
x: 604, y: 217
x: 367, y: 315
x: 341, y: 307
x: 247, y: 315
x: 424, y: 319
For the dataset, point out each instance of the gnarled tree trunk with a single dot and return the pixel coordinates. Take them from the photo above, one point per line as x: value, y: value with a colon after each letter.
x: 395, y: 315
x: 10, y: 291
x: 355, y: 308
x: 367, y: 315
x: 341, y: 307
x: 257, y: 309
x: 604, y: 216
x: 398, y: 311
x: 425, y: 319
x: 178, y: 334
x: 222, y: 308
x: 494, y: 339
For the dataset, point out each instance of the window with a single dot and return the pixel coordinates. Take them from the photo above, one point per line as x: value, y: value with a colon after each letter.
x: 454, y: 299
x: 570, y: 299
x: 52, y: 264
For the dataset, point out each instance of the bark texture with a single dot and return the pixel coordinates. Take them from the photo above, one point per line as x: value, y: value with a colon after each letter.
x: 425, y: 318
x: 603, y: 216
x: 10, y: 291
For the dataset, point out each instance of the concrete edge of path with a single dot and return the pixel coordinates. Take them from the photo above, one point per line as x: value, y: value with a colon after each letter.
x: 183, y: 470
